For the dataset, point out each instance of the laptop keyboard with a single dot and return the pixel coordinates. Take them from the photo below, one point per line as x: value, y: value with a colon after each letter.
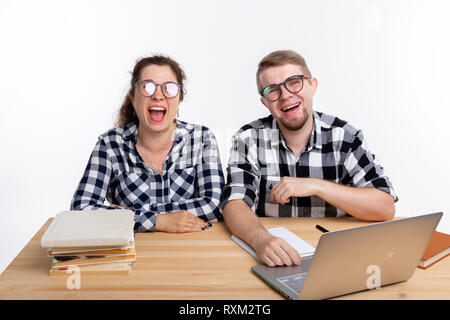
x: 293, y: 282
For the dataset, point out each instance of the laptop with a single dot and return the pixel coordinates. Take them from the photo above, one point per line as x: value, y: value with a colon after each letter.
x: 355, y: 259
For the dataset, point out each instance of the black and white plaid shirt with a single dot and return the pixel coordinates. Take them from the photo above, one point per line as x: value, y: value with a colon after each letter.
x: 192, y: 177
x: 336, y: 152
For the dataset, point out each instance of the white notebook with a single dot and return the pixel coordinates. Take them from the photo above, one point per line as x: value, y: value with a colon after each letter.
x: 302, y: 247
x: 89, y: 229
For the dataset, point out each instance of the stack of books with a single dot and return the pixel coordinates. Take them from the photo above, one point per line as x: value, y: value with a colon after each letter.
x: 91, y: 242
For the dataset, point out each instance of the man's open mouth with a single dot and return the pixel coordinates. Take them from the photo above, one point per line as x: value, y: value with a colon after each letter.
x: 157, y: 113
x: 291, y: 108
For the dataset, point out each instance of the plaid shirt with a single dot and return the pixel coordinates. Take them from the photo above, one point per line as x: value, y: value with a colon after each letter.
x: 336, y: 152
x: 192, y: 177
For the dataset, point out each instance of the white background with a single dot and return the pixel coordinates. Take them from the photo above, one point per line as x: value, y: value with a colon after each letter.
x: 64, y: 69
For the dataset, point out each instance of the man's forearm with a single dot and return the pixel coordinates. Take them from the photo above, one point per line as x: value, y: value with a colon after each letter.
x: 364, y: 203
x: 243, y: 222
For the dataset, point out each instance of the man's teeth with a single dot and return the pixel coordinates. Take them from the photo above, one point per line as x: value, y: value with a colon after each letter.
x: 291, y: 107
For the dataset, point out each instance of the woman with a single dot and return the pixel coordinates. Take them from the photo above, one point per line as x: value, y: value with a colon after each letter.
x: 166, y: 170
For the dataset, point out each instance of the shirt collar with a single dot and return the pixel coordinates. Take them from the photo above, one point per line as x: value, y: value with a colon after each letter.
x: 130, y: 131
x: 277, y: 136
x: 316, y: 136
x: 181, y: 134
x: 315, y: 141
x: 182, y: 130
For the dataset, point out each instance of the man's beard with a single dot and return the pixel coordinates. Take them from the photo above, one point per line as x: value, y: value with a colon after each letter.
x: 296, y: 126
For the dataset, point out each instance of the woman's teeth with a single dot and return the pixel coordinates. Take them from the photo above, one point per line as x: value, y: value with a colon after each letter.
x: 157, y: 113
x: 157, y: 109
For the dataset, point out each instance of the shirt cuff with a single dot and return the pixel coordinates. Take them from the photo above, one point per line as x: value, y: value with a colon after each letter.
x: 145, y: 219
x: 238, y: 193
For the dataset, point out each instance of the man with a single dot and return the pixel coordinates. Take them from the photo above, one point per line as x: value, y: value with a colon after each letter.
x: 298, y: 162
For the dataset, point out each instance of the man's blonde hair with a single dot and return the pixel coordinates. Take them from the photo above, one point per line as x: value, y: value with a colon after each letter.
x: 279, y: 58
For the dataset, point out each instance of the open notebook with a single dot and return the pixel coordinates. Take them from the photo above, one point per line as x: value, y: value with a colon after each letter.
x: 302, y: 247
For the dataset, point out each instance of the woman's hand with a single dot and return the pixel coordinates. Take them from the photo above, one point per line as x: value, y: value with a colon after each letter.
x: 180, y: 221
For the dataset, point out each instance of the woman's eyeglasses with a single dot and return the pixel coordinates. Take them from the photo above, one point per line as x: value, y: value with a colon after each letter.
x: 147, y: 88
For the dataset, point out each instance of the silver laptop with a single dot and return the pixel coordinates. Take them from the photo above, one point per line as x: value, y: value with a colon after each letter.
x: 355, y: 259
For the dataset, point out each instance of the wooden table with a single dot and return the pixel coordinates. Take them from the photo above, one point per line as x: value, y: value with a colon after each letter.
x: 202, y: 266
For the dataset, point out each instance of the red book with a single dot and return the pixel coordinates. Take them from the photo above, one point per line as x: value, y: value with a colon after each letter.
x: 438, y: 248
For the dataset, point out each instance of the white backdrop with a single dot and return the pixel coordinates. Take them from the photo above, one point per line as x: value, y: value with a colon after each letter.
x: 65, y: 67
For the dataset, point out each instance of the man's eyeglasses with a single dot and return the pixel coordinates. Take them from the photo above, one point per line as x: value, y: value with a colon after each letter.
x: 293, y: 84
x: 147, y: 88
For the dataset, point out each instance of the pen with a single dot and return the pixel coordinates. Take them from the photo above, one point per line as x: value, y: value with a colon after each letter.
x: 321, y: 228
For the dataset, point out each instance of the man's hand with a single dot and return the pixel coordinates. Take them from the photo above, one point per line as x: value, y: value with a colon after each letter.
x: 289, y: 187
x: 368, y: 204
x: 180, y: 221
x: 275, y: 251
x: 244, y: 223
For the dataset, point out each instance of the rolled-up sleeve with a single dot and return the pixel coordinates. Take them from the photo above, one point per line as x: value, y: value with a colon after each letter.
x: 363, y: 169
x: 145, y: 218
x: 242, y: 173
x: 93, y: 187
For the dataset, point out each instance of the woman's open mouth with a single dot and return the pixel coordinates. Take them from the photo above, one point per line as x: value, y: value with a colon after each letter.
x: 157, y: 113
